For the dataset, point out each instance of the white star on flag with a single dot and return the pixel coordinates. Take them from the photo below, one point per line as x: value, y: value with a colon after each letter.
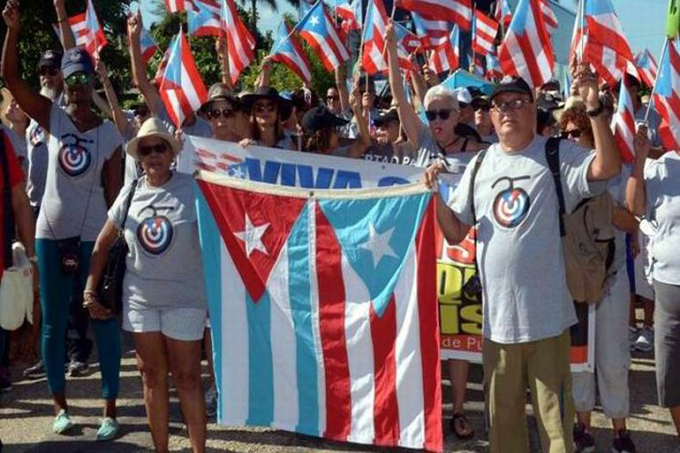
x: 379, y: 244
x: 252, y: 237
x: 314, y: 20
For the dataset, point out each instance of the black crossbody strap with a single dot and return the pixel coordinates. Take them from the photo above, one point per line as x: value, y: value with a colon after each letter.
x: 552, y: 155
x: 128, y: 202
x: 8, y: 217
x: 473, y: 177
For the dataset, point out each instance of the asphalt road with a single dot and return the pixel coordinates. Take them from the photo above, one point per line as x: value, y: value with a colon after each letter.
x: 26, y: 417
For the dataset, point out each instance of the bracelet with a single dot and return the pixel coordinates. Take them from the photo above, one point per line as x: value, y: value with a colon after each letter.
x: 596, y: 111
x: 91, y: 293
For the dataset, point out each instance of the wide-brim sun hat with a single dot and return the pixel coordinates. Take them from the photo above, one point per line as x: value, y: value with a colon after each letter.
x: 220, y: 92
x: 267, y: 93
x: 153, y: 127
x: 320, y: 117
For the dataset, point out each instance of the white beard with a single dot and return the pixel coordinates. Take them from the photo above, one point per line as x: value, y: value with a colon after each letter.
x: 50, y: 93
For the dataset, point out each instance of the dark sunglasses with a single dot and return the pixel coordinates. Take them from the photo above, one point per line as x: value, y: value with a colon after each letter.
x: 444, y: 114
x: 261, y: 108
x: 45, y: 70
x: 160, y: 148
x: 332, y: 98
x: 79, y: 78
x: 510, y: 106
x: 483, y: 107
x: 574, y: 133
x: 216, y: 113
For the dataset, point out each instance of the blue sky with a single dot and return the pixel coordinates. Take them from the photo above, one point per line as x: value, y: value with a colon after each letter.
x: 642, y: 20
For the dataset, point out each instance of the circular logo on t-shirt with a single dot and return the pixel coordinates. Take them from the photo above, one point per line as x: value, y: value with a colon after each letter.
x: 37, y: 136
x: 511, y: 205
x: 74, y: 157
x: 155, y: 233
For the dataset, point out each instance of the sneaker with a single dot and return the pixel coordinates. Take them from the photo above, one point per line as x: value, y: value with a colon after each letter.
x: 36, y: 371
x: 583, y: 440
x: 645, y: 341
x: 211, y: 401
x: 623, y: 443
x: 62, y: 423
x: 108, y: 429
x: 633, y: 334
x: 77, y: 369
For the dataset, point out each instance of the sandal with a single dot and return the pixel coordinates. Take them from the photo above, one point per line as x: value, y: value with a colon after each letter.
x: 455, y: 427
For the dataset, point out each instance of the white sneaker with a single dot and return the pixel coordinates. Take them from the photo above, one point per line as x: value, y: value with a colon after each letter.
x: 645, y: 341
x: 633, y: 334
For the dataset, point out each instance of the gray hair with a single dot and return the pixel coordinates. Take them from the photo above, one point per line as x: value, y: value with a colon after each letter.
x: 441, y: 92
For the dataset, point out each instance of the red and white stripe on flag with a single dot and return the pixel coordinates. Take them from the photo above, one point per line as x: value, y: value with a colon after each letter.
x: 526, y: 51
x: 623, y: 124
x: 177, y: 6
x: 240, y: 43
x: 486, y: 30
x: 96, y: 39
x: 443, y: 59
x: 667, y: 97
x: 551, y: 23
x: 182, y: 89
x: 456, y: 11
x: 374, y: 59
x: 78, y: 27
x: 319, y: 30
x: 647, y: 67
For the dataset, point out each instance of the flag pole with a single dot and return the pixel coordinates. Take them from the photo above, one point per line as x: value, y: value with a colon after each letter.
x: 582, y: 19
x: 656, y: 81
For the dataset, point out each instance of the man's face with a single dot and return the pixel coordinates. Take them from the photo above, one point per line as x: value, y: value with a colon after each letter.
x: 51, y: 78
x: 388, y: 132
x: 333, y: 101
x: 513, y: 116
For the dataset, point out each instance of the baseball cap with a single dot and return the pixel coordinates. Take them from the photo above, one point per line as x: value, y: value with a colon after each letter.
x: 463, y: 95
x: 386, y: 118
x: 320, y: 117
x: 75, y: 60
x: 51, y: 59
x: 511, y: 84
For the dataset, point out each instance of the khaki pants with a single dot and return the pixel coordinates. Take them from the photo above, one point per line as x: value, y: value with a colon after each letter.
x: 543, y: 366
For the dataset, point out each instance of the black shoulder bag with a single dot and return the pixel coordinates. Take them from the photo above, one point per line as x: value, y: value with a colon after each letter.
x: 110, y: 292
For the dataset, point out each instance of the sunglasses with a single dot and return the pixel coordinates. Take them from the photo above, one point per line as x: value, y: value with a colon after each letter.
x: 216, y: 113
x: 48, y: 71
x: 79, y: 78
x: 332, y: 98
x: 261, y: 108
x: 483, y: 108
x: 510, y: 106
x: 574, y: 133
x: 444, y: 114
x: 160, y: 148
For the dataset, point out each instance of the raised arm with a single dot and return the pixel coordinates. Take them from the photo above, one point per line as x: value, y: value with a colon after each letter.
x: 636, y: 194
x: 264, y: 78
x: 68, y: 40
x: 119, y: 118
x: 35, y: 105
x: 139, y: 76
x: 409, y: 119
x: 361, y: 108
x: 341, y: 86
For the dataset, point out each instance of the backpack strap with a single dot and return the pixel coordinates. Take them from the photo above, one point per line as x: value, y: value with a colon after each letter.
x: 552, y: 155
x: 473, y: 176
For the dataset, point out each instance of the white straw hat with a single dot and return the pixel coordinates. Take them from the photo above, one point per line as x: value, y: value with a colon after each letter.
x: 153, y: 127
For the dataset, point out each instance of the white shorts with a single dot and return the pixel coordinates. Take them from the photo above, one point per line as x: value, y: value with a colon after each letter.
x: 183, y: 324
x: 643, y: 285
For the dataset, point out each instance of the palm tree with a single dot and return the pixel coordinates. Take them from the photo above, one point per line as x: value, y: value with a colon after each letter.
x: 273, y: 4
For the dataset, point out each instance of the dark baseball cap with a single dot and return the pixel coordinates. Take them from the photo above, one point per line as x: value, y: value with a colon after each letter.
x: 320, y: 117
x: 50, y: 59
x: 75, y: 60
x: 511, y: 84
x: 386, y: 118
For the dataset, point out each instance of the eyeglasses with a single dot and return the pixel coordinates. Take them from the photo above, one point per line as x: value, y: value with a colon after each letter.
x: 574, y: 133
x: 483, y: 108
x: 79, y: 78
x: 444, y: 114
x: 45, y: 70
x: 160, y: 148
x: 510, y: 106
x: 216, y: 113
x: 332, y: 98
x: 261, y: 108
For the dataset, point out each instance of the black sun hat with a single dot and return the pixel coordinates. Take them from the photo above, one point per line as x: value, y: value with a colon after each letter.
x: 320, y: 117
x: 268, y: 93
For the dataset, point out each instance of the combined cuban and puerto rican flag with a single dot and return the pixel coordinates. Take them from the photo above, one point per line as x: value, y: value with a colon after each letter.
x: 324, y: 310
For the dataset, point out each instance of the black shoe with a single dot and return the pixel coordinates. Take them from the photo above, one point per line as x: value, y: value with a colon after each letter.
x: 5, y: 384
x: 37, y: 371
x: 623, y: 443
x: 583, y: 440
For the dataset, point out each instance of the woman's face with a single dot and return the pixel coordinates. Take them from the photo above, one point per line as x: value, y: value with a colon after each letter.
x: 265, y: 112
x: 155, y: 156
x: 78, y: 87
x: 388, y: 132
x: 572, y: 132
x: 222, y: 117
x: 483, y: 117
x: 443, y: 118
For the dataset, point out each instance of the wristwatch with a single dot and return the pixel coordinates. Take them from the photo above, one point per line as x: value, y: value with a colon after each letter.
x: 596, y: 111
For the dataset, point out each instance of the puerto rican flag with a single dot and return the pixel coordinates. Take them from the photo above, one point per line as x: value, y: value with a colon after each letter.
x: 493, y: 66
x: 205, y: 19
x: 551, y: 23
x: 623, y: 124
x: 323, y: 311
x: 647, y: 67
x: 177, y: 6
x: 503, y: 13
x: 148, y: 45
x: 456, y: 11
x: 318, y: 30
x: 240, y: 43
x: 432, y: 33
x: 182, y: 89
x: 96, y: 39
x: 350, y: 12
x: 287, y: 50
x: 407, y: 43
x: 485, y: 31
x: 446, y: 57
x: 667, y: 97
x: 373, y: 38
x: 526, y: 50
x: 158, y: 78
x: 78, y: 27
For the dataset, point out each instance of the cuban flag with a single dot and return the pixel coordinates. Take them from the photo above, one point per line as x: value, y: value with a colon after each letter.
x: 526, y: 50
x: 182, y: 89
x: 647, y: 67
x: 667, y: 97
x: 407, y: 43
x: 456, y: 11
x: 432, y: 33
x: 318, y: 30
x: 96, y: 39
x: 78, y: 27
x: 324, y: 310
x: 623, y: 124
x: 446, y: 57
x: 373, y: 39
x: 148, y: 45
x: 287, y: 50
x: 204, y: 20
x: 503, y: 13
x: 177, y: 6
x: 485, y: 31
x: 240, y: 43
